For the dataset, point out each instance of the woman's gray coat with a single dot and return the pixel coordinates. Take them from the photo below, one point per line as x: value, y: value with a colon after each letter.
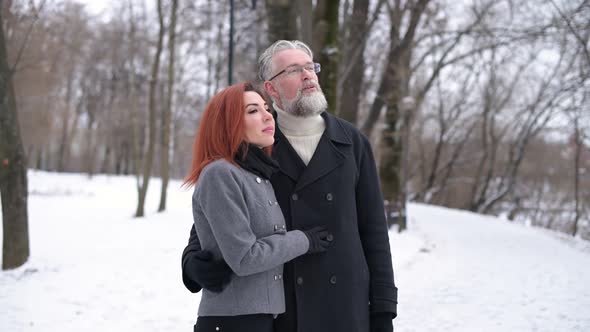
x: 237, y: 218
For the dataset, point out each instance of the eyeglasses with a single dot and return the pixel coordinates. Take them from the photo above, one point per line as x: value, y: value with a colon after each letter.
x: 298, y: 70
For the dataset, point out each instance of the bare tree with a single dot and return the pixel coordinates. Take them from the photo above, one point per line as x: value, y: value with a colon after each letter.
x: 148, y: 160
x: 13, y: 169
x: 167, y: 111
x: 392, y: 88
x: 326, y: 48
x: 282, y: 20
x: 356, y: 32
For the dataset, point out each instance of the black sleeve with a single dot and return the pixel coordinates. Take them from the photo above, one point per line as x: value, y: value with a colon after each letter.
x: 374, y: 234
x: 192, y: 246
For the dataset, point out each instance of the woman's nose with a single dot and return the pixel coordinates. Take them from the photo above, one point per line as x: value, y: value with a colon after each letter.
x: 267, y: 116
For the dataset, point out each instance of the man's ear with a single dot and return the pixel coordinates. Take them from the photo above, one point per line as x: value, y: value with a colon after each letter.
x: 271, y: 90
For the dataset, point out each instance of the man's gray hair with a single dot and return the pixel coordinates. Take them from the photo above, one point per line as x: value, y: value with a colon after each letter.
x: 265, y: 59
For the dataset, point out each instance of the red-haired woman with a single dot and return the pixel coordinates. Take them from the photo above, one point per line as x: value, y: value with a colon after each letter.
x: 237, y: 216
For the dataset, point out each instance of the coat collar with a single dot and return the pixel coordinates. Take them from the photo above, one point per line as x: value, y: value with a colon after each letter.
x: 328, y: 155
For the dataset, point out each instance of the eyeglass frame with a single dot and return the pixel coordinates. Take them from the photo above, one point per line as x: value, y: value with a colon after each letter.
x: 316, y: 69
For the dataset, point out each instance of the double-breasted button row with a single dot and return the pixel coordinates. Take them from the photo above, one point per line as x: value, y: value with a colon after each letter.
x: 278, y: 276
x: 332, y: 280
x: 329, y: 197
x: 259, y: 180
x: 270, y: 202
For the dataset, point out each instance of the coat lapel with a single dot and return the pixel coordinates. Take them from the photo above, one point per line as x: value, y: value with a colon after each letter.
x: 328, y: 154
x: 289, y: 161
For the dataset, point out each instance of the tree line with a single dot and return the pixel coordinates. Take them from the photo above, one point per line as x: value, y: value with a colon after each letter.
x: 478, y: 105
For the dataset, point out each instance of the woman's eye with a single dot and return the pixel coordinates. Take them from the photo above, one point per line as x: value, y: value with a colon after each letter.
x: 252, y: 111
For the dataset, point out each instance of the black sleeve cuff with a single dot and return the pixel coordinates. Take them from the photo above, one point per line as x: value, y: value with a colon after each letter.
x: 385, y: 304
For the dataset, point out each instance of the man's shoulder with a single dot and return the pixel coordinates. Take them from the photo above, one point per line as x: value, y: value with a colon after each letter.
x: 349, y: 129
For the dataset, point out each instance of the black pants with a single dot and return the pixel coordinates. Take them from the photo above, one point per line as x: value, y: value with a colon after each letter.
x: 242, y: 323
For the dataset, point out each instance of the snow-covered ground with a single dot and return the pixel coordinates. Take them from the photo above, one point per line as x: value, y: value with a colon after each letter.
x: 95, y: 268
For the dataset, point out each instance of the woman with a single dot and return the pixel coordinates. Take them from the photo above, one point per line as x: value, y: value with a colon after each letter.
x: 236, y: 213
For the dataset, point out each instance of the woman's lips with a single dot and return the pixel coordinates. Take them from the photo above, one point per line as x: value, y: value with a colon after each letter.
x: 269, y: 130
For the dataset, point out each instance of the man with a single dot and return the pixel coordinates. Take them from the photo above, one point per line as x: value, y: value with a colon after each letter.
x: 327, y: 177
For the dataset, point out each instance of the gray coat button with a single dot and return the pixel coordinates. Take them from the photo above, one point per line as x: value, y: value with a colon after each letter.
x: 333, y: 280
x: 329, y: 196
x: 299, y: 280
x: 330, y: 237
x: 280, y: 229
x: 294, y: 197
x: 258, y: 180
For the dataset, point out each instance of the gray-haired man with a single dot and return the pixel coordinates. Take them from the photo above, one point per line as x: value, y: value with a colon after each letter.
x: 327, y: 177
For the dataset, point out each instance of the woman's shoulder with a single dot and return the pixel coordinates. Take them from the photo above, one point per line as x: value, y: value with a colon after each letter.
x: 220, y: 171
x: 219, y: 167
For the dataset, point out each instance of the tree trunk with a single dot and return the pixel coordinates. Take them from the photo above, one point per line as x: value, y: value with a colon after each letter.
x: 64, y: 144
x: 325, y: 47
x: 165, y: 148
x: 577, y: 155
x: 305, y: 15
x: 393, y: 87
x: 282, y: 20
x: 13, y: 171
x: 356, y: 42
x: 149, y: 157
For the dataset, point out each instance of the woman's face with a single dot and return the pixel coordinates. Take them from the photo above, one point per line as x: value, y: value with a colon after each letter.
x: 258, y: 122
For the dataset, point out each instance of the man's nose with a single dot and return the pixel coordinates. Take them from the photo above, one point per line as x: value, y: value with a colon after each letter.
x: 307, y: 75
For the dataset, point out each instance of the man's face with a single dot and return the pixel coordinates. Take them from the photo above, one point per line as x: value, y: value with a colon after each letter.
x: 296, y: 92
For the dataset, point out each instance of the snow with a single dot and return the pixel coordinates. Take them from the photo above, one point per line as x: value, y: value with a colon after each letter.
x: 93, y: 267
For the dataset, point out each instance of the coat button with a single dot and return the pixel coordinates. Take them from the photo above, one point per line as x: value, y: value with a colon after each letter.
x: 294, y: 197
x: 299, y: 280
x: 266, y: 181
x: 333, y: 280
x: 329, y: 196
x: 280, y: 229
x: 330, y: 237
x: 270, y: 202
x: 258, y: 180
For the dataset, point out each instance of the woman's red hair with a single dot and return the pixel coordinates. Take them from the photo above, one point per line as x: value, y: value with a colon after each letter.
x: 221, y: 129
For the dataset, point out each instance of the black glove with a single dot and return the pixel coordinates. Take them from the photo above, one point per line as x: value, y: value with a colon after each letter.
x: 381, y: 322
x: 319, y: 239
x: 202, y: 269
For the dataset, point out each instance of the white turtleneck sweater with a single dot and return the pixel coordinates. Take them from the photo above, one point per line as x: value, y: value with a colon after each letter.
x: 303, y: 133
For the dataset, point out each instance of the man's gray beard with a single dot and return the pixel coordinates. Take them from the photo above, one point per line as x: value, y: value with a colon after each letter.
x: 305, y: 106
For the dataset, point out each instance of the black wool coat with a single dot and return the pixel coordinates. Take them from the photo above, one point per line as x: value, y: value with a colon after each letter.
x: 336, y: 290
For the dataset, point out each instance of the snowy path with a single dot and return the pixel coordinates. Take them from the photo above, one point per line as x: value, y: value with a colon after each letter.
x: 94, y: 268
x: 475, y: 273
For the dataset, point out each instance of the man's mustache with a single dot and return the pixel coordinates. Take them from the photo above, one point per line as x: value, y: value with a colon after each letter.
x: 310, y: 84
